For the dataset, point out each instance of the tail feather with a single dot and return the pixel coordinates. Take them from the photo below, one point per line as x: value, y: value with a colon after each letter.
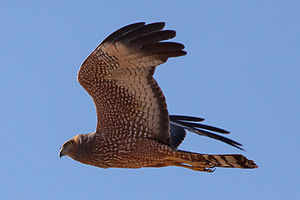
x: 211, y: 161
x: 230, y: 160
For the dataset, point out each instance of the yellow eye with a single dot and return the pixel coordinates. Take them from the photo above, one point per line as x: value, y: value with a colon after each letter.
x: 70, y: 142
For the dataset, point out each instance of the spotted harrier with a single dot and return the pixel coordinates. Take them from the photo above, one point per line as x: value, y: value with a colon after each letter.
x: 134, y: 128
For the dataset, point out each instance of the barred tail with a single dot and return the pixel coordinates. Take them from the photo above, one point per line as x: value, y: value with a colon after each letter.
x: 230, y: 160
x: 198, y: 161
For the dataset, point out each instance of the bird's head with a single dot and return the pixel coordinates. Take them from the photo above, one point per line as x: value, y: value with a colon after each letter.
x: 70, y: 147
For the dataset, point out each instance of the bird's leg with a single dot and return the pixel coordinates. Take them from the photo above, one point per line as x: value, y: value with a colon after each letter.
x: 195, y: 168
x: 201, y: 165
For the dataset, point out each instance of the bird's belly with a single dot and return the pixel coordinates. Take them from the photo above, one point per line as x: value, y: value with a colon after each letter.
x: 141, y: 153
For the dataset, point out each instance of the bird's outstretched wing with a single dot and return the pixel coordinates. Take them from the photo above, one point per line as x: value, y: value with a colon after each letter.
x: 118, y: 75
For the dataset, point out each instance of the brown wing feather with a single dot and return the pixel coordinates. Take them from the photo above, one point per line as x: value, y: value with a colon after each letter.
x: 118, y: 75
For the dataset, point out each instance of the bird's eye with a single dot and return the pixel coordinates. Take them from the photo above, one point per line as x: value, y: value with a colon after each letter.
x: 70, y: 142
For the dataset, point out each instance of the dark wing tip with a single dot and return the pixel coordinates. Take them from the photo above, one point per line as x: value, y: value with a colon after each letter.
x: 217, y: 137
x: 207, y: 127
x: 189, y: 121
x: 185, y: 118
x: 118, y: 33
x: 163, y: 47
x: 154, y: 37
x: 141, y: 30
x: 157, y: 24
x: 135, y: 29
x: 189, y: 124
x: 147, y: 38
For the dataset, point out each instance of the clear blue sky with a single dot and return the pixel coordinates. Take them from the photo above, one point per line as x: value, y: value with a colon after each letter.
x: 242, y: 73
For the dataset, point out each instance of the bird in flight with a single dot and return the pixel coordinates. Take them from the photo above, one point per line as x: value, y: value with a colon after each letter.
x: 134, y: 128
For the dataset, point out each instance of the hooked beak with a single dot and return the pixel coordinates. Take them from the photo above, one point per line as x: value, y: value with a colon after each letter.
x: 61, y: 153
